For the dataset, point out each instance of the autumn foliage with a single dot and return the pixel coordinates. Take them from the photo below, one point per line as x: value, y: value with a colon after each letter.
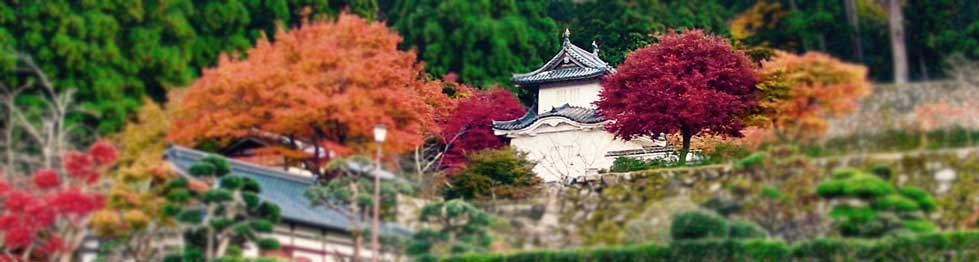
x: 798, y: 93
x: 689, y: 83
x: 326, y: 83
x: 44, y: 216
x: 470, y: 127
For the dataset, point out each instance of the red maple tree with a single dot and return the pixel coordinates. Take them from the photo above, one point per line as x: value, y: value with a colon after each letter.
x: 325, y: 84
x: 470, y: 127
x: 689, y: 83
x: 44, y: 216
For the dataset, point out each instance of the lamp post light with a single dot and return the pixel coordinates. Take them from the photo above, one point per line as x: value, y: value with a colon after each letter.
x: 380, y: 132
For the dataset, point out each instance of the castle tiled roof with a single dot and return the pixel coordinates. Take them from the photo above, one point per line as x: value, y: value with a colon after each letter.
x: 570, y: 63
x: 573, y: 113
x: 278, y: 187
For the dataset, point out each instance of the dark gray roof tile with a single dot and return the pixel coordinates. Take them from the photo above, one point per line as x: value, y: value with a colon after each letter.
x: 281, y: 188
x: 570, y: 63
x: 573, y: 113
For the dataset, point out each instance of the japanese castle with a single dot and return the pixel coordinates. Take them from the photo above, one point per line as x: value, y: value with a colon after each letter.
x: 563, y: 132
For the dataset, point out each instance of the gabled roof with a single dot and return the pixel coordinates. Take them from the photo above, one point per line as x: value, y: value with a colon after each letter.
x: 570, y: 63
x: 278, y: 187
x: 573, y: 113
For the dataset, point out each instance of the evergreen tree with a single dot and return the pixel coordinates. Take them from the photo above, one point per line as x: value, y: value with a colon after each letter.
x: 218, y: 213
x: 483, y: 42
x: 621, y: 26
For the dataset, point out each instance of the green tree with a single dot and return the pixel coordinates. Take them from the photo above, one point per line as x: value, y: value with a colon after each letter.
x: 450, y: 227
x: 482, y: 41
x: 218, y: 213
x: 938, y: 29
x: 112, y: 52
x: 116, y: 52
x: 620, y: 26
x: 494, y: 174
x: 351, y: 193
x: 872, y: 207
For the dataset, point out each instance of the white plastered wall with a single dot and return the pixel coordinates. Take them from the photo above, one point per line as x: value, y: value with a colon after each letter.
x: 580, y: 94
x: 566, y: 150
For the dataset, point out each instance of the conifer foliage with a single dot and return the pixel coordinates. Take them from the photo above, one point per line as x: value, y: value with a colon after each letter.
x: 688, y: 83
x: 219, y: 213
x: 43, y: 217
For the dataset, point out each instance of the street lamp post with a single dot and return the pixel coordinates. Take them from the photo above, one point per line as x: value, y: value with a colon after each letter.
x: 380, y: 132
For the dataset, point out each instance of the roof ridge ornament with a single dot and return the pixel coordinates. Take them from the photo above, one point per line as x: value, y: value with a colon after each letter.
x: 594, y: 48
x: 567, y: 34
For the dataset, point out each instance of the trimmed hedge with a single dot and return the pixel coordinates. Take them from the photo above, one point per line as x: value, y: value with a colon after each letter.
x: 949, y: 246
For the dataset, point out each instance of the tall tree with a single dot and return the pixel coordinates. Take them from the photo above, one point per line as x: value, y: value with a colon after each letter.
x: 483, y: 41
x: 853, y: 18
x: 118, y: 51
x: 621, y: 26
x: 325, y: 84
x: 895, y: 19
x: 936, y: 30
x: 689, y: 83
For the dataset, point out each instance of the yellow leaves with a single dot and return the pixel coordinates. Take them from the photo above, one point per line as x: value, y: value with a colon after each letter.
x: 762, y: 15
x: 798, y: 93
x: 136, y: 219
x: 106, y: 222
x: 132, y: 199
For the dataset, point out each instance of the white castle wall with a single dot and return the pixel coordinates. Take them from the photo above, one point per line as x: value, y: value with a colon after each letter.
x: 580, y: 94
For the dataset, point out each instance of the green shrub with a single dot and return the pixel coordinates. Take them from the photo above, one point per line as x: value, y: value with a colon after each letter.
x: 874, y: 207
x: 746, y: 230
x: 494, y: 173
x: 948, y: 246
x: 628, y: 164
x: 697, y: 225
x: 750, y: 161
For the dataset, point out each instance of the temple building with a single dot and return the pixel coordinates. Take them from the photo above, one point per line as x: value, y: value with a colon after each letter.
x: 563, y: 132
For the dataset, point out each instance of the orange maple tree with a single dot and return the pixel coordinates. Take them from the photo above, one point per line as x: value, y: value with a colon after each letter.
x: 798, y: 93
x: 324, y: 84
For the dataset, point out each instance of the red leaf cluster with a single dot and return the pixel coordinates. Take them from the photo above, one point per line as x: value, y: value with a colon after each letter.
x: 688, y: 82
x: 33, y: 217
x: 469, y: 128
x: 46, y: 178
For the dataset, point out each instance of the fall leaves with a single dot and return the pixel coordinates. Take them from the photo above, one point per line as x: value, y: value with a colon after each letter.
x: 324, y: 83
x: 798, y: 93
x: 45, y: 216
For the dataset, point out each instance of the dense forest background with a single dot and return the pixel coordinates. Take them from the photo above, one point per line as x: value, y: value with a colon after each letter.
x: 116, y: 52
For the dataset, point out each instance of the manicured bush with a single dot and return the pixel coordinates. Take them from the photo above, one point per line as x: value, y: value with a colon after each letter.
x: 746, y: 230
x: 697, y: 225
x: 750, y: 161
x: 958, y: 246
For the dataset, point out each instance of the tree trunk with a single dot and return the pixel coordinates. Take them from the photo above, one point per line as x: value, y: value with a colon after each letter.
x: 685, y: 149
x: 853, y: 17
x: 898, y: 49
x: 924, y: 68
x: 357, y: 243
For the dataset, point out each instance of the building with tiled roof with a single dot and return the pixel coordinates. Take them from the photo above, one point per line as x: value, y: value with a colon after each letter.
x: 306, y: 232
x: 563, y: 132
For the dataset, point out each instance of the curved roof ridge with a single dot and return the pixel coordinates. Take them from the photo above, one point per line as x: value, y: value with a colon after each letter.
x: 589, y: 65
